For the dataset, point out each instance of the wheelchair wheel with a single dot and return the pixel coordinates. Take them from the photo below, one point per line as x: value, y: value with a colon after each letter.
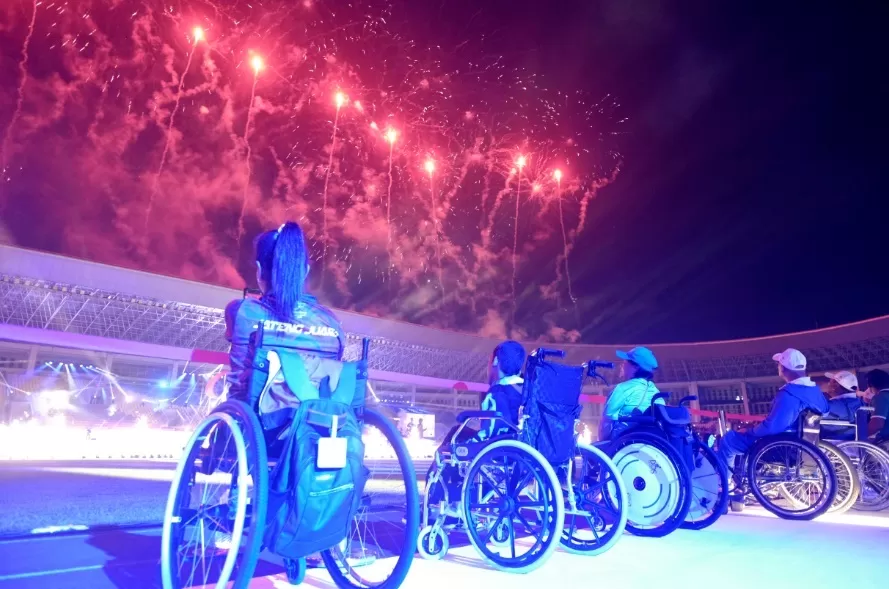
x: 383, y: 537
x: 215, y: 516
x: 596, y: 507
x: 872, y: 465
x: 511, y: 483
x: 778, y: 466
x: 848, y: 483
x: 432, y: 543
x: 657, y: 480
x: 709, y: 488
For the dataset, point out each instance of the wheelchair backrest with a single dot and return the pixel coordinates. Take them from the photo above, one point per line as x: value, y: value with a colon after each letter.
x: 295, y: 362
x: 551, y: 405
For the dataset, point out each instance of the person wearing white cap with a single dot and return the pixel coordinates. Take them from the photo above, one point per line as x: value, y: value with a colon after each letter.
x: 842, y: 404
x: 634, y: 394
x: 798, y: 395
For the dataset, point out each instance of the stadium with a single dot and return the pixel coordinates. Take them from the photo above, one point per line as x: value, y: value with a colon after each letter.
x: 90, y: 344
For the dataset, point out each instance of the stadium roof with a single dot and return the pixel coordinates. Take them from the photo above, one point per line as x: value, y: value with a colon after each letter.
x: 52, y: 292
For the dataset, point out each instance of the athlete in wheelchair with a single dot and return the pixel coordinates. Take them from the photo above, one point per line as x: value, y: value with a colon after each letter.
x: 845, y: 427
x: 510, y: 485
x: 282, y: 464
x: 673, y: 478
x: 786, y: 474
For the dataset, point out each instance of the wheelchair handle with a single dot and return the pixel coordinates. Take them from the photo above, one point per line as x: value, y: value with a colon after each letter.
x: 543, y: 352
x: 687, y: 399
x: 593, y: 364
x: 365, y: 348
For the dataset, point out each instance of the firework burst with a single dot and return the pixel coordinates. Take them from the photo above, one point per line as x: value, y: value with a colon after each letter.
x: 252, y: 156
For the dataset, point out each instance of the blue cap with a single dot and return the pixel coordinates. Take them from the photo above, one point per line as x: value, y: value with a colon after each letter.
x: 641, y: 357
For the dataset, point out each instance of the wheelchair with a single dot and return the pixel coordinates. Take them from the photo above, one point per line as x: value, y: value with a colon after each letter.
x: 870, y: 462
x: 215, y: 522
x: 528, y: 491
x: 787, y: 474
x: 674, y: 479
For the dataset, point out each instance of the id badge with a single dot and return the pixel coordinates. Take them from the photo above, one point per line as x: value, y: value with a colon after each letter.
x: 332, y: 451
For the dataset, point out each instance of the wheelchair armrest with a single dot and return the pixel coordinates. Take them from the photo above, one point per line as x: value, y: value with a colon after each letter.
x: 465, y: 416
x: 838, y: 422
x: 865, y: 409
x: 687, y: 399
x: 664, y: 396
x: 636, y: 419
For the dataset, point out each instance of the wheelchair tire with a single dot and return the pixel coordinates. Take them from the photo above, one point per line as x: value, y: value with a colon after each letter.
x: 633, y: 452
x: 872, y: 465
x: 547, y: 492
x: 848, y: 483
x: 601, y: 499
x: 433, y: 543
x: 296, y: 570
x: 817, y: 459
x: 709, y: 482
x: 251, y: 504
x: 346, y: 576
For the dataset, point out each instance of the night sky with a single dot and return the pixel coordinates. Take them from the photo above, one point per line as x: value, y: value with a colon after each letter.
x: 738, y: 147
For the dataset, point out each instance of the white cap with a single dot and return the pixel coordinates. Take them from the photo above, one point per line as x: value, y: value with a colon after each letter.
x: 791, y: 359
x: 844, y: 378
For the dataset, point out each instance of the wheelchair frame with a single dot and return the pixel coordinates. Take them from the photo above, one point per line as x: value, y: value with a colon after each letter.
x: 652, y: 429
x: 745, y: 476
x: 250, y: 505
x: 433, y: 541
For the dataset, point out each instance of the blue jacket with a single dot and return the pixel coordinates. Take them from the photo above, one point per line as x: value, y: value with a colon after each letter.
x: 843, y: 408
x: 792, y: 400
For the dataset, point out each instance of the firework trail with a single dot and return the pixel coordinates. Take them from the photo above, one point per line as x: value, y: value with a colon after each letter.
x: 430, y: 167
x: 247, y: 159
x: 168, y: 141
x: 336, y: 119
x: 498, y: 199
x: 391, y: 138
x: 565, y: 252
x: 515, y: 242
x: 20, y: 97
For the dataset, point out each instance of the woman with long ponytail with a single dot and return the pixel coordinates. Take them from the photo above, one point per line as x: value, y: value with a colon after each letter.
x: 282, y: 267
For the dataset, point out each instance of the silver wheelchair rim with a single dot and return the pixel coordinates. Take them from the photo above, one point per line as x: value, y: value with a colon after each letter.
x: 167, y: 561
x: 872, y: 464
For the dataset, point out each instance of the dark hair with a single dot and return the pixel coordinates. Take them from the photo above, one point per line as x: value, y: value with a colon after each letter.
x: 510, y: 357
x: 878, y: 379
x: 284, y: 266
x: 640, y: 373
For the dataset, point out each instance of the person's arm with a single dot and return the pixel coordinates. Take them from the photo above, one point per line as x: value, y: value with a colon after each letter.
x: 881, y: 412
x: 231, y: 314
x: 782, y: 413
x: 616, y: 401
x: 488, y: 404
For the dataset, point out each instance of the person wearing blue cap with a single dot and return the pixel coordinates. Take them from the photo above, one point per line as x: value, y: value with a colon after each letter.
x: 634, y: 394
